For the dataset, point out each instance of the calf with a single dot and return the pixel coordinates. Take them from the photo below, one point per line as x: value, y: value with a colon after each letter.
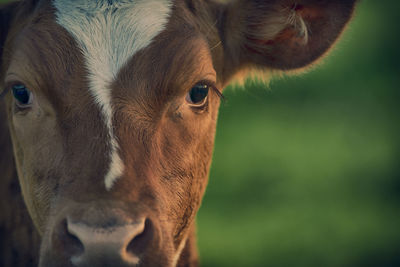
x: 110, y: 112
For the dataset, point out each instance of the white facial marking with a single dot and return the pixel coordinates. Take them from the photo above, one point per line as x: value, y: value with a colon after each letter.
x: 109, y: 33
x: 179, y: 251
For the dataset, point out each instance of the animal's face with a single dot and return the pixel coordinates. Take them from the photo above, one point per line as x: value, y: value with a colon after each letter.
x: 113, y: 105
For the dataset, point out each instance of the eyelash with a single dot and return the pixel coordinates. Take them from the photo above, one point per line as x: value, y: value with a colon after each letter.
x: 214, y: 88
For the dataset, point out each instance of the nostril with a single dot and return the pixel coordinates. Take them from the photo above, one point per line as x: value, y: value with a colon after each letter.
x: 86, y: 245
x: 67, y: 242
x: 139, y: 243
x: 74, y: 246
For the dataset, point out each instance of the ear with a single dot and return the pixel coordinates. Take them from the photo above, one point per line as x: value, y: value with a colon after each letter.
x: 7, y: 12
x: 280, y: 34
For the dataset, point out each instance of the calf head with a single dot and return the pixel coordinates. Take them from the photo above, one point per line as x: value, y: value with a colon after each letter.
x: 112, y: 109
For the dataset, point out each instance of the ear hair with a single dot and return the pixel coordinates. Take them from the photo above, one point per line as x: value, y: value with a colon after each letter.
x: 281, y: 34
x: 277, y: 21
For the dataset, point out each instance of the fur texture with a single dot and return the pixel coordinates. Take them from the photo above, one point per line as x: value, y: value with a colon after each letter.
x: 109, y: 33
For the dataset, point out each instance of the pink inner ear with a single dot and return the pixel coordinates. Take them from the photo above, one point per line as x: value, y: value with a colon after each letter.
x: 307, y: 13
x: 290, y: 35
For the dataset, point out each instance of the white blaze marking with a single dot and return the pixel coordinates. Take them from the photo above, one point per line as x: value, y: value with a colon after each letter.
x: 109, y: 33
x: 179, y: 251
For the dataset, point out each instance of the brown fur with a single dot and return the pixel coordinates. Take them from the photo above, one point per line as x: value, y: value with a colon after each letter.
x: 19, y: 242
x: 60, y: 145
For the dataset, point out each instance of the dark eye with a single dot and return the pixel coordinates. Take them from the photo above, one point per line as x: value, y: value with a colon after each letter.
x: 22, y: 95
x: 197, y: 96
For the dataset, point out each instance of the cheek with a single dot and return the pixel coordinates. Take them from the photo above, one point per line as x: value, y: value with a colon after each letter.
x: 186, y: 141
x: 37, y: 150
x: 187, y: 174
x: 36, y: 141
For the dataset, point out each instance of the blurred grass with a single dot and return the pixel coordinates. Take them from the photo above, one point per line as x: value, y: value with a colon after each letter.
x: 306, y: 171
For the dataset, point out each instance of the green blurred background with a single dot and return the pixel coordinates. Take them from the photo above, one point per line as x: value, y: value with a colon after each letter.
x: 306, y: 171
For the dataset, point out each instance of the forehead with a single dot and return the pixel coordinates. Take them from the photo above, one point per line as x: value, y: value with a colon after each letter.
x: 104, y: 46
x: 110, y: 32
x: 100, y: 38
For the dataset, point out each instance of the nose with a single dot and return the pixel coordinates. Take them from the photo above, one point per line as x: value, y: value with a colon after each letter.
x: 118, y: 245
